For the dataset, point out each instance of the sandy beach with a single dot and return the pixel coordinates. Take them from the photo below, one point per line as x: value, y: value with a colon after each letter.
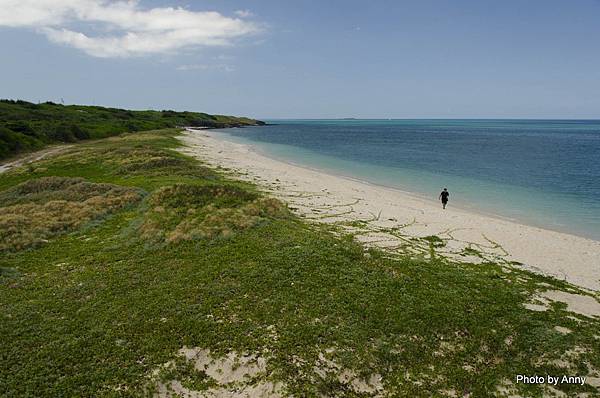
x: 393, y: 219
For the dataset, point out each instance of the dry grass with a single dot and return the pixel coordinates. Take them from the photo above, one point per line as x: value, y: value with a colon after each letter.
x: 224, y: 223
x: 186, y: 196
x: 39, y: 209
x: 150, y: 161
x: 188, y: 212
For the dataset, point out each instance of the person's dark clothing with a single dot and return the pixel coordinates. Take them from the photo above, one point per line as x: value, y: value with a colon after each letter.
x: 444, y: 196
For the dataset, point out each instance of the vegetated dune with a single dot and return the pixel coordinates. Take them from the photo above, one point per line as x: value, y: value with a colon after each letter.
x: 25, y: 126
x: 185, y: 279
x: 39, y: 209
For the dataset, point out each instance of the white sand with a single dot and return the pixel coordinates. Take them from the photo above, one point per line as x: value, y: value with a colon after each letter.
x: 329, y: 198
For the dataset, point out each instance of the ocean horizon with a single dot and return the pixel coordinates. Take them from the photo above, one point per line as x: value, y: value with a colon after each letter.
x: 541, y: 172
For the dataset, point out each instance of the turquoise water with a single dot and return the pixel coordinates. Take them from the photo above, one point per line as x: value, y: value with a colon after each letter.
x: 540, y: 172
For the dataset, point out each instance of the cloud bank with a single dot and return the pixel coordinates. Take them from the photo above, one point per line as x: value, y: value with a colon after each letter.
x: 123, y: 28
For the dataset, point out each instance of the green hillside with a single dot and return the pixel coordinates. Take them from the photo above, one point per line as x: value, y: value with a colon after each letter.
x: 25, y: 126
x: 123, y: 263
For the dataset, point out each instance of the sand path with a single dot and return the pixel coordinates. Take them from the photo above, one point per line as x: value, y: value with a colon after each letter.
x: 32, y: 157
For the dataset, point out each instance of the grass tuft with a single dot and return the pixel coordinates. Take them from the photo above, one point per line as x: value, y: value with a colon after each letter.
x: 186, y: 212
x: 39, y: 209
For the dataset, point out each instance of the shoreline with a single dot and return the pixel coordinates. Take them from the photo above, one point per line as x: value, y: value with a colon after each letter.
x: 415, y: 195
x: 460, y: 205
x: 467, y: 235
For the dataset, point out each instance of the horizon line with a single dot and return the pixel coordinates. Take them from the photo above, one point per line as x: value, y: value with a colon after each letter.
x: 428, y: 118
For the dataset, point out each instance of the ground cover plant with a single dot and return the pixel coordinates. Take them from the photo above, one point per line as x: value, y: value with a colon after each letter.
x: 203, y: 271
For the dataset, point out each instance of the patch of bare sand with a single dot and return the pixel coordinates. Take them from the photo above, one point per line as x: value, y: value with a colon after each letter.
x: 327, y: 367
x: 398, y: 220
x: 232, y: 368
x: 246, y: 376
x: 578, y: 303
x: 232, y: 376
x: 562, y: 330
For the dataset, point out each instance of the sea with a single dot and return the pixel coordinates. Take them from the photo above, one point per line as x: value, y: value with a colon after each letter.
x: 544, y: 173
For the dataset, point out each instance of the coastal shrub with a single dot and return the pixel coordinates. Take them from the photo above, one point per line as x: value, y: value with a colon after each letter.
x: 36, y: 210
x: 62, y: 132
x: 184, y: 196
x: 12, y: 142
x: 143, y: 160
x: 224, y: 223
x: 66, y: 132
x: 137, y: 160
x: 50, y: 122
x: 78, y: 132
x: 189, y: 212
x: 154, y: 162
x: 20, y: 126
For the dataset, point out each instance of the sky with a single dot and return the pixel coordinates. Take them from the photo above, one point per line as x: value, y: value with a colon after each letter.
x: 308, y: 58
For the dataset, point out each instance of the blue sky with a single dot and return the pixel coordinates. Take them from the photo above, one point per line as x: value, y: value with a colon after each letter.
x: 308, y: 59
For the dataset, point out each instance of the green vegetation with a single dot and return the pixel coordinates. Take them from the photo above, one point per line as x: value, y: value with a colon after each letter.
x: 25, y: 126
x: 173, y: 254
x: 45, y: 207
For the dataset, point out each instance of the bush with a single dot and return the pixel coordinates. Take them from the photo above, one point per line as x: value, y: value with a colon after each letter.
x: 189, y: 212
x: 21, y: 127
x: 39, y: 209
x: 79, y: 133
x: 50, y: 122
x: 12, y: 142
x: 63, y: 133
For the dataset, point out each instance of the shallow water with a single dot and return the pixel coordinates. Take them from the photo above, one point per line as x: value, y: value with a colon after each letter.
x: 541, y: 172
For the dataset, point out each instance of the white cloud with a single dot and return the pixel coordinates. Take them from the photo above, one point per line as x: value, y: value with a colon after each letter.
x: 127, y: 29
x: 244, y: 13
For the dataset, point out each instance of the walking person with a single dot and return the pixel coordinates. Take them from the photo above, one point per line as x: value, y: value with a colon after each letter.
x: 444, y: 197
